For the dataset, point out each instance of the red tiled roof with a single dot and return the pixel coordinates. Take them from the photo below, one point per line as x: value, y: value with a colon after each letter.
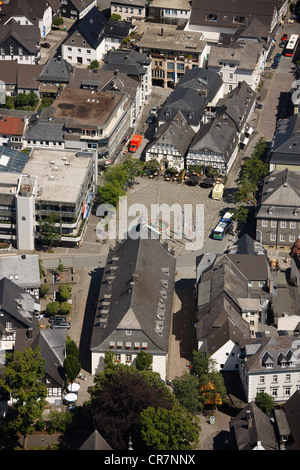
x: 11, y: 125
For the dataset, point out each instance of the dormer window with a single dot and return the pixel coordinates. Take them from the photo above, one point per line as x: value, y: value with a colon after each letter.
x: 211, y: 17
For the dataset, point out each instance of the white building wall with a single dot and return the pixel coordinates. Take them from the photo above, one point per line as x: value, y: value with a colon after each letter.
x: 25, y: 217
x: 227, y: 356
x: 72, y: 53
x: 159, y: 362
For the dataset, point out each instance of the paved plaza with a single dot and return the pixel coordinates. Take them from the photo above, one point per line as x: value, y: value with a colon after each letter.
x: 151, y: 192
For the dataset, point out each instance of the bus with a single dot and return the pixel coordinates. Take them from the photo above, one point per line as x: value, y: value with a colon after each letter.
x: 291, y: 46
x: 223, y: 226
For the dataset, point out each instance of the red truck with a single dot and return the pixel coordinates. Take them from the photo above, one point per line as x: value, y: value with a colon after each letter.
x: 135, y: 143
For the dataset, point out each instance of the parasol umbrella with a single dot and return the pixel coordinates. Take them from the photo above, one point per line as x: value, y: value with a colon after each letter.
x: 74, y: 387
x: 71, y: 397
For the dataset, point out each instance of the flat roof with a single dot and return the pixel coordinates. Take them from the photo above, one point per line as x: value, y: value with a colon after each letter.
x: 167, y: 37
x: 86, y: 107
x: 59, y: 173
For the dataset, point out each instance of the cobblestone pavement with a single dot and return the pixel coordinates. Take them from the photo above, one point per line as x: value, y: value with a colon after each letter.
x: 149, y: 192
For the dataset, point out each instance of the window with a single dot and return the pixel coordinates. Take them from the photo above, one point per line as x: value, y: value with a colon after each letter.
x: 273, y: 223
x: 275, y: 378
x: 292, y: 238
x: 211, y: 17
x: 128, y: 332
x: 274, y: 392
x: 231, y: 76
x: 264, y: 223
x: 128, y: 358
x: 273, y: 237
x: 283, y: 224
x: 282, y: 238
x: 262, y: 379
x: 292, y: 224
x: 287, y: 377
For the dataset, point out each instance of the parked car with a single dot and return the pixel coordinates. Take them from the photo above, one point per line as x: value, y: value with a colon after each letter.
x: 154, y: 110
x: 258, y: 105
x: 274, y: 65
x: 277, y: 58
x: 63, y: 324
x: 46, y: 45
x: 282, y: 44
x: 57, y: 319
x: 150, y: 119
x: 284, y: 37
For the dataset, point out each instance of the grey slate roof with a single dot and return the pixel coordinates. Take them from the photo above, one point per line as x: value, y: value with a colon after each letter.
x: 46, y: 131
x: 52, y: 344
x: 136, y: 294
x: 188, y: 101
x: 202, y: 80
x: 286, y: 143
x: 127, y: 62
x: 176, y: 133
x: 250, y: 427
x: 281, y: 190
x: 56, y: 70
x: 237, y: 104
x: 26, y: 267
x: 218, y: 314
x: 292, y: 411
x: 214, y: 137
x: 32, y: 9
x: 16, y: 303
x: 271, y: 349
x: 95, y: 442
x: 27, y: 36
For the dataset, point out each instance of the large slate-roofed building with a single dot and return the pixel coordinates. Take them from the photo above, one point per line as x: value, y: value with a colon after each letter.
x: 135, y: 302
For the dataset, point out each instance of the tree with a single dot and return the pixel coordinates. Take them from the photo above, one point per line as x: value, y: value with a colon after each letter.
x: 26, y: 100
x: 133, y: 168
x: 72, y: 367
x: 264, y: 402
x: 117, y: 401
x: 144, y: 361
x: 58, y: 21
x: 65, y: 291
x: 23, y: 380
x: 64, y: 308
x: 50, y: 235
x: 44, y: 289
x: 52, y: 308
x: 169, y: 429
x: 240, y: 213
x: 152, y: 165
x: 110, y: 193
x: 60, y: 266
x: 186, y: 390
x: 94, y: 65
x: 71, y: 347
x: 115, y: 17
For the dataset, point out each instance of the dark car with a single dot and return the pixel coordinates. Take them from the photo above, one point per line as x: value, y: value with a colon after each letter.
x: 63, y: 324
x: 284, y: 37
x: 277, y: 58
x: 57, y: 319
x: 46, y: 45
x: 150, y: 119
x: 258, y: 106
x: 274, y: 65
x: 282, y: 44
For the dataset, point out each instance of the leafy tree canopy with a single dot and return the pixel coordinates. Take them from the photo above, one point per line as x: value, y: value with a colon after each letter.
x: 169, y: 429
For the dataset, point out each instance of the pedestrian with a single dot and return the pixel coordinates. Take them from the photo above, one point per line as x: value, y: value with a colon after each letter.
x: 80, y: 375
x: 84, y: 377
